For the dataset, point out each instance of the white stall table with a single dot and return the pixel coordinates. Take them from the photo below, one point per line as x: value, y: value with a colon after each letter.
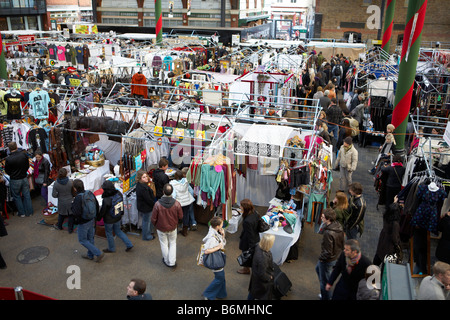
x: 92, y: 181
x: 284, y: 241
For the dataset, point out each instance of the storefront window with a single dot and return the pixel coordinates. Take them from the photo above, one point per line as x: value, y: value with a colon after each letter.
x: 17, y: 23
x: 32, y: 23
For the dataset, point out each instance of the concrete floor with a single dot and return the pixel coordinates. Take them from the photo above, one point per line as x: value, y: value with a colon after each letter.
x: 108, y: 280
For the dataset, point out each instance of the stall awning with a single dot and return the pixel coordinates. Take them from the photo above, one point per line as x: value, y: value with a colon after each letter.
x: 253, y: 18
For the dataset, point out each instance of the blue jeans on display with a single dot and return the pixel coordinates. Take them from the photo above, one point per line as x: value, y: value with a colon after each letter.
x: 323, y: 270
x: 86, y: 233
x: 217, y: 288
x: 109, y: 228
x: 147, y: 226
x: 334, y: 129
x: 20, y: 191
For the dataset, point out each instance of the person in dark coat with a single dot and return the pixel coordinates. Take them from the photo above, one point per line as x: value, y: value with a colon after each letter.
x: 443, y: 247
x: 250, y: 234
x: 41, y: 174
x: 351, y: 265
x: 160, y: 178
x: 394, y: 173
x: 3, y: 233
x: 331, y: 248
x: 389, y: 235
x: 112, y: 222
x: 62, y: 190
x: 261, y: 280
x: 136, y: 290
x: 145, y: 200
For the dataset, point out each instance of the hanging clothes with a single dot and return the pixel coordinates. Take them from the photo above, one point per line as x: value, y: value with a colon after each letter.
x: 37, y: 139
x: 39, y: 100
x: 13, y: 101
x: 428, y: 211
x: 86, y: 55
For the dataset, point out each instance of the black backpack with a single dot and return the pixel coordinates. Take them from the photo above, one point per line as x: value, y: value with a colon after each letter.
x: 337, y: 70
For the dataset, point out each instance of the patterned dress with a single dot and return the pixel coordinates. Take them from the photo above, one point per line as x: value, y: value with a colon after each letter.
x: 427, y: 215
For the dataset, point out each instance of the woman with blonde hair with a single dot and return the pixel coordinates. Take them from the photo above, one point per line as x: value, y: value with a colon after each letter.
x: 261, y: 281
x: 340, y: 206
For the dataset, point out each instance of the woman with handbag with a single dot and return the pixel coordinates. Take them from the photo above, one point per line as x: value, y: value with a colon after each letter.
x: 261, y: 281
x: 250, y: 229
x: 41, y: 174
x: 213, y: 242
x: 62, y: 190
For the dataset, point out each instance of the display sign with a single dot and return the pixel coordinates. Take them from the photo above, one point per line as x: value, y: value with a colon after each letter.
x: 447, y: 133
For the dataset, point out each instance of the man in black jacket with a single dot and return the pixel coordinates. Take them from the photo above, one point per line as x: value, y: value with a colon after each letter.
x: 334, y: 118
x: 331, y: 248
x: 16, y: 166
x: 160, y: 178
x: 351, y: 265
x: 357, y: 208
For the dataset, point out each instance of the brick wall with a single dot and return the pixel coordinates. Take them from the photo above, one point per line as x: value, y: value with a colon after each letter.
x: 336, y: 12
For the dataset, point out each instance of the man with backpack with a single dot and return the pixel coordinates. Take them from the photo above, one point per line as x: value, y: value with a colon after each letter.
x: 111, y: 212
x: 338, y: 72
x: 85, y: 208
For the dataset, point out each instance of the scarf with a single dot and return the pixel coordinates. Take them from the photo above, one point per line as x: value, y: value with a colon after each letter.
x: 347, y: 148
x: 352, y: 262
x: 36, y: 168
x: 397, y: 164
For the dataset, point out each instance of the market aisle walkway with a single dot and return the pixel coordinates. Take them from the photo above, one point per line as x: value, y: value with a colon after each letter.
x: 109, y: 279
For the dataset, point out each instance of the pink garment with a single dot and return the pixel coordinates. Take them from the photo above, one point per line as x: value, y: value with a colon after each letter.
x: 317, y: 141
x: 61, y: 53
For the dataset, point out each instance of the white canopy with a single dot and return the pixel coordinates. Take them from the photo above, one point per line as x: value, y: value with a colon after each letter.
x: 137, y: 36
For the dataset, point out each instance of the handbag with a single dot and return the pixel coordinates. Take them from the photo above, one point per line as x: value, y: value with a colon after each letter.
x: 39, y: 179
x: 263, y: 226
x: 245, y: 259
x: 215, y: 260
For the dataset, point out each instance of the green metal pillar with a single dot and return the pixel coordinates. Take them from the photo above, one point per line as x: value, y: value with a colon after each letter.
x: 388, y: 24
x: 408, y: 63
x: 158, y: 18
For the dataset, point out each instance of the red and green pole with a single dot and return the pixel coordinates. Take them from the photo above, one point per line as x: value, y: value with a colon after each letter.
x: 3, y: 72
x: 158, y: 18
x: 388, y: 24
x: 408, y: 63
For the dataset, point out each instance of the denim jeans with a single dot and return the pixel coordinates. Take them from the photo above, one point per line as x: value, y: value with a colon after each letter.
x: 192, y: 220
x: 147, y: 226
x: 86, y: 233
x: 186, y: 212
x: 217, y: 288
x: 20, y: 191
x: 168, y: 242
x: 323, y: 270
x: 61, y: 219
x: 109, y: 228
x: 352, y: 233
x: 334, y: 130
